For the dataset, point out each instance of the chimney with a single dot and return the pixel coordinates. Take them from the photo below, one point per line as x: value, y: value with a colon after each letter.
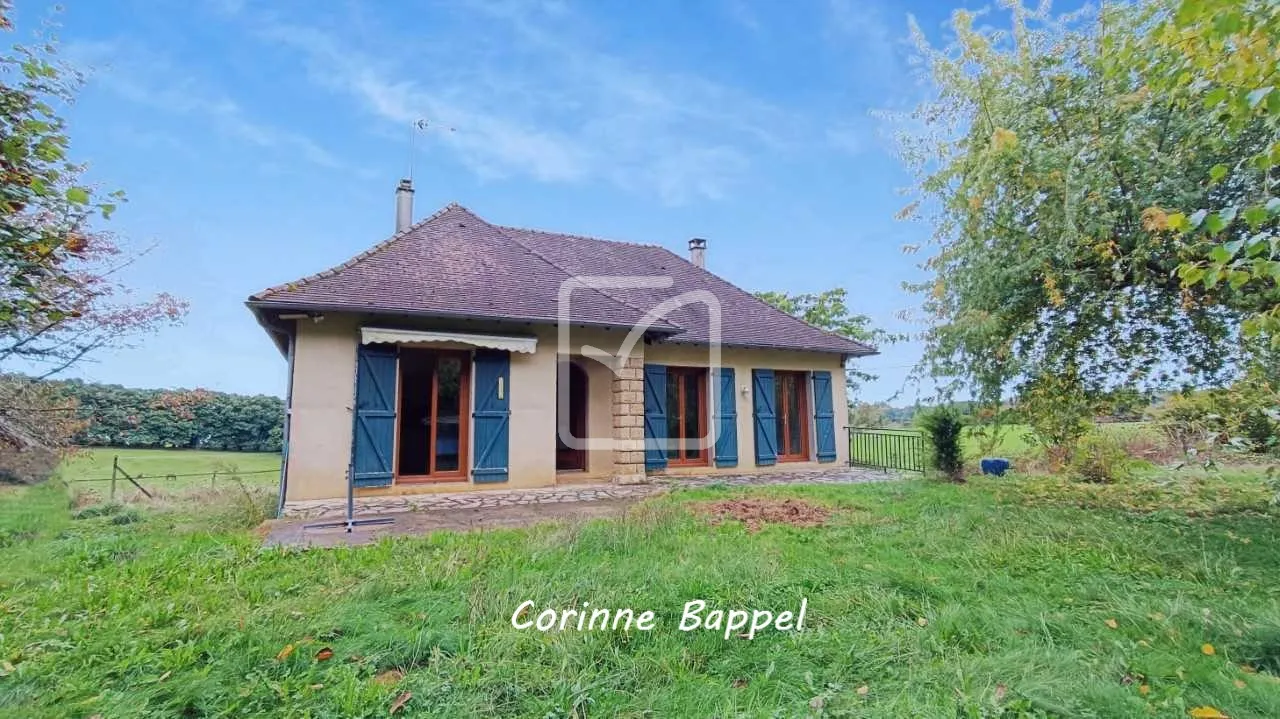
x: 404, y: 205
x: 698, y: 252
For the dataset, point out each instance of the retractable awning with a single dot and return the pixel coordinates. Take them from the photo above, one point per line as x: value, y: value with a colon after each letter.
x: 510, y: 343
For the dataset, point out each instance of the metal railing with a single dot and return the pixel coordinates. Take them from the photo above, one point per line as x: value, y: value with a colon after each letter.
x: 882, y: 448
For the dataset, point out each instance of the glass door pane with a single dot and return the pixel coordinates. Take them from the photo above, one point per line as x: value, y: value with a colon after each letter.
x: 673, y: 414
x: 789, y: 413
x: 448, y: 434
x: 692, y: 411
x: 795, y: 442
x: 780, y: 410
x: 415, y: 414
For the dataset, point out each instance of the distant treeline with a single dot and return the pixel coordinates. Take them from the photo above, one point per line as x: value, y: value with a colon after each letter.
x: 118, y: 416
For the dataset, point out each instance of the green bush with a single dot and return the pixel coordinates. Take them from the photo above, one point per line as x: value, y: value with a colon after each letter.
x: 943, y: 428
x: 98, y: 510
x: 1193, y: 421
x: 128, y: 515
x: 1237, y: 417
x: 1059, y: 410
x: 1099, y: 457
x: 1259, y: 431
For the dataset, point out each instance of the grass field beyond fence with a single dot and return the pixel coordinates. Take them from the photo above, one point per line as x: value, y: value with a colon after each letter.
x: 1013, y: 441
x: 168, y: 470
x: 1028, y: 598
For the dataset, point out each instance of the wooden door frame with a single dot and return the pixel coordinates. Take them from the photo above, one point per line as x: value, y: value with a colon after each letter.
x: 702, y: 459
x: 781, y: 411
x: 462, y: 474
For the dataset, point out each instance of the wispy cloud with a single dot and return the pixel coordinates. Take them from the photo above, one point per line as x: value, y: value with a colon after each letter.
x: 742, y: 13
x: 141, y: 77
x: 537, y: 97
x: 848, y: 137
x: 861, y: 26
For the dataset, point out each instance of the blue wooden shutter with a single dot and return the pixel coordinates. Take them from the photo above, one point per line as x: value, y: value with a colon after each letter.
x: 824, y: 417
x: 492, y: 417
x: 765, y: 417
x: 726, y: 416
x: 655, y: 416
x: 373, y: 445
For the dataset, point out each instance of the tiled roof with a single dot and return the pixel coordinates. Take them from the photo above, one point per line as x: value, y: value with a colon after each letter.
x: 456, y: 264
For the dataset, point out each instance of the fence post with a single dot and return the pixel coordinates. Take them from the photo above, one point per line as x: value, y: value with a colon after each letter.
x: 213, y: 479
x: 115, y: 464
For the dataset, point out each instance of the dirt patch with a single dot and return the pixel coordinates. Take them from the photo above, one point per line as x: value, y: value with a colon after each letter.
x: 756, y: 512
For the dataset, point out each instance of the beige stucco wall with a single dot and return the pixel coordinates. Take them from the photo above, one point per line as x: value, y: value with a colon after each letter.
x: 324, y: 370
x: 324, y: 393
x: 533, y: 418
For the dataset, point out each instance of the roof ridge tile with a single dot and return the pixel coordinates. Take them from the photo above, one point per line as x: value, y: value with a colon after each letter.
x: 574, y: 236
x: 643, y: 312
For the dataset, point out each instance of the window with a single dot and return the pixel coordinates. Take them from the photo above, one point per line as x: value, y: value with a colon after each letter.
x: 431, y: 438
x: 791, y: 412
x: 686, y: 415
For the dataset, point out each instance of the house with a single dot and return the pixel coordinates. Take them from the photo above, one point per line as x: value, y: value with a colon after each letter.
x: 460, y: 354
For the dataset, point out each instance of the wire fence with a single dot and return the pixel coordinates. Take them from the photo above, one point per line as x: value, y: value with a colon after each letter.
x: 120, y: 476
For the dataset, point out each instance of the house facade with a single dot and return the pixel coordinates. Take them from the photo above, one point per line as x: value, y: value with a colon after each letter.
x: 459, y: 354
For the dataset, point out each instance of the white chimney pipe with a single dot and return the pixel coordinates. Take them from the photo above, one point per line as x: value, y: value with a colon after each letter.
x: 698, y: 252
x: 404, y: 205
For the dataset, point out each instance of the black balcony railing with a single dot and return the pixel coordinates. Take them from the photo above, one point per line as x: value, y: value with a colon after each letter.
x: 881, y: 448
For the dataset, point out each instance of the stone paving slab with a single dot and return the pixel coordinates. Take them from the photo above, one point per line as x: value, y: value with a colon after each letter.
x: 304, y: 533
x: 496, y: 498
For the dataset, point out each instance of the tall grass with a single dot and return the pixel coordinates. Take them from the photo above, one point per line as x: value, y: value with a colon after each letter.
x: 988, y: 599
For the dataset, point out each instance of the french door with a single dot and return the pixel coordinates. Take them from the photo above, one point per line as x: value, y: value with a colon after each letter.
x: 686, y: 416
x: 791, y: 399
x: 431, y: 436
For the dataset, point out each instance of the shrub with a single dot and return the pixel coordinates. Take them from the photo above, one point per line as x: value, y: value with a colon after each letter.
x: 1238, y: 417
x: 1059, y: 410
x: 98, y: 510
x: 1259, y: 431
x: 1193, y: 421
x: 1101, y: 458
x: 943, y: 428
x: 129, y: 515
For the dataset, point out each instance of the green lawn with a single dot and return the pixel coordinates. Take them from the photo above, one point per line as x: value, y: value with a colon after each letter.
x: 191, y: 468
x: 1008, y: 598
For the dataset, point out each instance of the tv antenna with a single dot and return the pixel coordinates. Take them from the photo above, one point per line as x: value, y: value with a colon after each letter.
x: 418, y: 126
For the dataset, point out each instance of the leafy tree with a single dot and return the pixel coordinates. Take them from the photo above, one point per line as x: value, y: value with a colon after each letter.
x: 830, y: 311
x: 868, y: 414
x: 111, y: 415
x: 1225, y: 58
x: 1039, y: 162
x: 59, y: 301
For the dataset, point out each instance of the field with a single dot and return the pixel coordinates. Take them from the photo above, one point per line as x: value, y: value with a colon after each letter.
x: 1013, y: 441
x: 167, y: 471
x: 1013, y: 598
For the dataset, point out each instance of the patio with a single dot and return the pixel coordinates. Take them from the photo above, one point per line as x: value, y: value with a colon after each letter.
x: 417, y: 514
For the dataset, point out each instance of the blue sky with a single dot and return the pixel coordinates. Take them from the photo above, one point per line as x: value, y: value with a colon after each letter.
x: 260, y: 142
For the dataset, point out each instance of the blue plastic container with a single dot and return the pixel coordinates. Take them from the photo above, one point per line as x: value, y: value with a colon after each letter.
x: 995, y: 465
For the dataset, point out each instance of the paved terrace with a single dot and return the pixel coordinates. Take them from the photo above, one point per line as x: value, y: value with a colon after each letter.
x: 496, y: 498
